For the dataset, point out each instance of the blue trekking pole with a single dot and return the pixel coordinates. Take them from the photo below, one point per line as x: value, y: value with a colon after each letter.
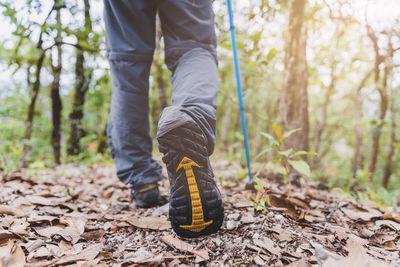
x: 239, y: 89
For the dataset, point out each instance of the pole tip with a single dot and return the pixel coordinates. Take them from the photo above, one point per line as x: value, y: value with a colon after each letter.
x: 250, y: 186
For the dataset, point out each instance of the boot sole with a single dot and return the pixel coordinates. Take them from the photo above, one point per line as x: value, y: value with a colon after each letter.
x: 195, y: 203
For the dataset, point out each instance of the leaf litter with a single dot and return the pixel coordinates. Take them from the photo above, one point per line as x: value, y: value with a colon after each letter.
x: 81, y: 216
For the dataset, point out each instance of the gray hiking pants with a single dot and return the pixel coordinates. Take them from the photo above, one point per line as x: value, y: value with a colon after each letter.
x: 190, y: 54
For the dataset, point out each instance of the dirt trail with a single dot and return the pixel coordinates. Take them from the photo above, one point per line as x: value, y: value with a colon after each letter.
x: 80, y: 216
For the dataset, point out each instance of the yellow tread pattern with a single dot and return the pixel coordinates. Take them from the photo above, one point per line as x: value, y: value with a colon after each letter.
x: 198, y: 223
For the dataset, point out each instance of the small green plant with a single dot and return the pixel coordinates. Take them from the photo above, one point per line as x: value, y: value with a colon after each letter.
x: 10, y: 157
x: 260, y: 201
x: 284, y: 159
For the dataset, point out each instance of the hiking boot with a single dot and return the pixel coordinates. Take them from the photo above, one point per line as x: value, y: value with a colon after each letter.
x: 195, y: 204
x: 147, y: 196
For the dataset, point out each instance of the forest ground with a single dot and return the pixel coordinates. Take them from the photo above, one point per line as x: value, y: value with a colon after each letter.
x: 81, y: 216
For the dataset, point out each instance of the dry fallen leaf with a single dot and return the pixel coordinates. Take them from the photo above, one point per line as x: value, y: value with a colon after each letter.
x: 360, y: 215
x: 382, y: 238
x: 299, y: 263
x: 142, y: 256
x: 281, y: 202
x: 5, y: 236
x: 153, y: 223
x: 391, y: 216
x: 42, y: 218
x: 268, y: 244
x: 357, y: 257
x: 87, y: 254
x: 285, y: 235
x: 17, y: 210
x: 68, y: 233
x: 174, y: 263
x: 33, y: 245
x: 42, y: 252
x: 19, y: 226
x: 298, y: 202
x: 340, y: 232
x: 388, y: 223
x: 78, y: 224
x: 47, y: 201
x: 183, y: 246
x: 239, y: 201
x: 93, y: 235
x: 12, y: 255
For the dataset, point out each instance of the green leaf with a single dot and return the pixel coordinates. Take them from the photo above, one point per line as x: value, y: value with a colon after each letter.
x: 38, y: 165
x: 238, y: 135
x: 226, y: 46
x: 268, y: 149
x: 252, y: 64
x: 267, y: 135
x: 397, y: 145
x: 300, y: 166
x: 287, y: 134
x: 259, y: 185
x: 300, y: 153
x: 282, y: 170
x: 271, y: 54
x: 277, y: 130
x: 256, y: 37
x: 276, y: 159
x: 286, y: 153
x: 240, y: 45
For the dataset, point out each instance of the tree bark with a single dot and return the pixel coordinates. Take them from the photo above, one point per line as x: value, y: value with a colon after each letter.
x: 393, y: 139
x: 161, y: 86
x: 81, y: 86
x: 55, y: 94
x: 322, y: 124
x: 294, y: 96
x: 82, y: 81
x: 389, y: 159
x: 382, y: 89
x: 103, y: 141
x: 31, y: 109
x: 358, y: 147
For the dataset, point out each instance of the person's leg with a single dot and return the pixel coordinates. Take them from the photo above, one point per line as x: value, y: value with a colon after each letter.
x: 186, y: 130
x: 130, y: 40
x: 190, y: 41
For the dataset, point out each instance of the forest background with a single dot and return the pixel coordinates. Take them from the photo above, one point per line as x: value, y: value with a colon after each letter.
x: 329, y: 68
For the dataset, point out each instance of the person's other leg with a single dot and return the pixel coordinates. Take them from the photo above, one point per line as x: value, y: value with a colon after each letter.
x: 186, y: 130
x: 130, y: 40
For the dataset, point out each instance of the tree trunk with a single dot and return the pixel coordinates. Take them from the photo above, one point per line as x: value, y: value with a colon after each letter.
x: 31, y: 109
x: 161, y: 86
x: 393, y: 139
x: 358, y: 147
x: 103, y: 141
x: 322, y: 124
x: 294, y: 96
x: 382, y: 89
x: 76, y: 115
x: 55, y: 95
x: 389, y: 159
x: 82, y: 80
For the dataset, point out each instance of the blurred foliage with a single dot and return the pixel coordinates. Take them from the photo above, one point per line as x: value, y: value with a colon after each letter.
x: 261, y: 31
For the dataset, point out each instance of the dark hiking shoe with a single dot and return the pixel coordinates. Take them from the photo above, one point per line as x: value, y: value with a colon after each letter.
x: 195, y: 204
x: 148, y: 196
